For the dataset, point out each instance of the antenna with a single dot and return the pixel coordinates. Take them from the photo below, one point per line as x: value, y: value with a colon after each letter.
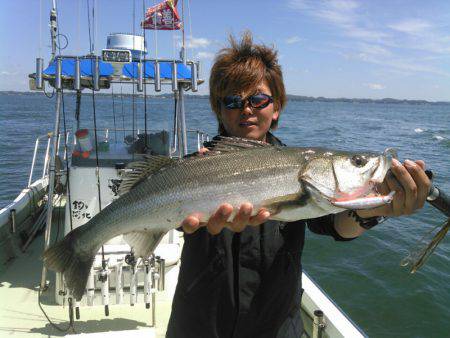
x: 53, y: 29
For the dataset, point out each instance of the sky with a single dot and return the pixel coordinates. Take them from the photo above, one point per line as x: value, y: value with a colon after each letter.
x: 334, y: 48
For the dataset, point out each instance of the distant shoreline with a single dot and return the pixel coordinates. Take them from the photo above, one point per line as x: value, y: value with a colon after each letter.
x: 298, y: 98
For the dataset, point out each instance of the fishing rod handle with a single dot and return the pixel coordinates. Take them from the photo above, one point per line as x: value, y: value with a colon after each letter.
x: 437, y: 198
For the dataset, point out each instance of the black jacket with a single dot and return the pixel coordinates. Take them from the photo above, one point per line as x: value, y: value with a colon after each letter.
x: 243, y: 284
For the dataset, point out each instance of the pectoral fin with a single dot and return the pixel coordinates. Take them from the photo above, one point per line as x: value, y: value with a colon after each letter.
x: 144, y: 243
x: 275, y: 205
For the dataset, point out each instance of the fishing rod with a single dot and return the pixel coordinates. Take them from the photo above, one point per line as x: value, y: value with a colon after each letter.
x: 428, y: 243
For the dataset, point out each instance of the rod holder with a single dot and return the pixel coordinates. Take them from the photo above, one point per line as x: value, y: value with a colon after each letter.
x: 12, y: 214
x: 162, y: 273
x: 96, y: 74
x: 58, y: 79
x: 90, y: 288
x: 174, y: 77
x: 39, y: 70
x: 157, y: 76
x: 147, y: 284
x: 133, y: 286
x: 77, y: 310
x: 140, y: 83
x: 119, y: 282
x: 318, y: 324
x: 77, y: 75
x: 103, y: 278
x: 194, y: 77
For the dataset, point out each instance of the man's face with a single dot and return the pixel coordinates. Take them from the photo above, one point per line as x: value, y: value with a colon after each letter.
x: 248, y: 122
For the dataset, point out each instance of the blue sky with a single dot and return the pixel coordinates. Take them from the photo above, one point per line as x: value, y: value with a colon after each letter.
x: 340, y: 48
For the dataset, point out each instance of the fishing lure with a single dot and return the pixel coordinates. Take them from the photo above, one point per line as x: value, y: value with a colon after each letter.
x: 428, y: 243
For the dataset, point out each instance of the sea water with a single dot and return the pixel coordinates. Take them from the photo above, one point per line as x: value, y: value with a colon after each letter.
x: 363, y: 276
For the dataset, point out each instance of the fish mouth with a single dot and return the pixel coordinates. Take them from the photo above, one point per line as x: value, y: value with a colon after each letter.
x: 364, y: 197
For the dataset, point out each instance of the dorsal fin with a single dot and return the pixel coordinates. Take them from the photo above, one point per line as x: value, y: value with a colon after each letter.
x: 224, y: 144
x: 140, y: 170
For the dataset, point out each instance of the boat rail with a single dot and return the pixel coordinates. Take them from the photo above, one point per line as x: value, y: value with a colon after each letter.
x: 45, y: 166
x: 201, y: 137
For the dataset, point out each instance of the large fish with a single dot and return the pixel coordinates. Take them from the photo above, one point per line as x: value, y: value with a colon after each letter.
x: 159, y: 192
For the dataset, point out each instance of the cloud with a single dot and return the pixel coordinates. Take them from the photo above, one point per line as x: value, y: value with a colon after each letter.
x: 343, y: 14
x: 293, y: 39
x: 375, y: 86
x: 411, y: 26
x: 406, y: 45
x: 193, y: 43
x: 205, y: 55
x: 8, y: 73
x: 198, y: 43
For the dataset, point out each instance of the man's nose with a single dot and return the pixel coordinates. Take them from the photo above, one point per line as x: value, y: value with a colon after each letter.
x: 247, y: 110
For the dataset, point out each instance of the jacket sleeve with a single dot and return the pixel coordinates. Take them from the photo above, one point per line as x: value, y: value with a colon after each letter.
x: 325, y: 226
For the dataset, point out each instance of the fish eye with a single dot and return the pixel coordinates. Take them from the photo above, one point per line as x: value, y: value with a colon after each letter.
x: 359, y: 161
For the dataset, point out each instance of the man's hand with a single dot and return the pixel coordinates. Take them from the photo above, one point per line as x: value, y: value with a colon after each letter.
x: 219, y: 219
x: 411, y: 186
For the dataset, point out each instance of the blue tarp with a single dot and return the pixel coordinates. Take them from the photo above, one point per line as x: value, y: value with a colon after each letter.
x: 129, y: 70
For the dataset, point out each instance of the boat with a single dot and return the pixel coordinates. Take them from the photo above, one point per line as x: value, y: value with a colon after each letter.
x: 126, y: 296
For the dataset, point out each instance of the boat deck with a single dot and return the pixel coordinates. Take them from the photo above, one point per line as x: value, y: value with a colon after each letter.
x: 20, y: 314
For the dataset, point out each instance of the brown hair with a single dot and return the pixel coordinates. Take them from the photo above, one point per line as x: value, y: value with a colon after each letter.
x: 239, y: 67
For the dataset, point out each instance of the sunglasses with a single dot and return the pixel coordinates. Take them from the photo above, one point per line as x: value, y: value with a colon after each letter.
x: 257, y: 101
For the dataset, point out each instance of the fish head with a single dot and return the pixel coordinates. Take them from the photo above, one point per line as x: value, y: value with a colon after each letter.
x: 338, y: 175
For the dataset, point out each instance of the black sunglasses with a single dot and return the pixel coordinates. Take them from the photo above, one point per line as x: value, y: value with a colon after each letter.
x: 257, y: 101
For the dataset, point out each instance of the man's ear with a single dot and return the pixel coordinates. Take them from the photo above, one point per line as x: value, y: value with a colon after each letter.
x: 275, y: 115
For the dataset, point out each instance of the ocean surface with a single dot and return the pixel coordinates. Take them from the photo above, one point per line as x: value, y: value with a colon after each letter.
x: 363, y: 276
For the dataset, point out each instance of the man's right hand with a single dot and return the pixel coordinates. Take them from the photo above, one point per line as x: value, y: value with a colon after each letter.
x: 219, y: 219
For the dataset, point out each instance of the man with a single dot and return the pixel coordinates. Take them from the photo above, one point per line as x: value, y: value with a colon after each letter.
x: 243, y: 278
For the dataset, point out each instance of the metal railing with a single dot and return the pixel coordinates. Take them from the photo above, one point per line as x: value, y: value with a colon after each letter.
x: 45, y: 166
x: 201, y: 137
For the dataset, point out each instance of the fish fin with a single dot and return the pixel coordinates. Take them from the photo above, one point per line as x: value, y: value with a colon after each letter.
x: 63, y: 257
x: 275, y: 205
x: 143, y: 243
x: 223, y: 144
x: 140, y: 170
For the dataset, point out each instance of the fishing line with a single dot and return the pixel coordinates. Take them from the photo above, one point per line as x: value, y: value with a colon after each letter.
x: 145, y: 85
x: 60, y: 329
x: 123, y: 115
x: 97, y: 170
x: 65, y: 133
x: 156, y: 34
x: 70, y: 326
x: 114, y: 113
x: 190, y: 23
x: 133, y: 102
x: 40, y: 28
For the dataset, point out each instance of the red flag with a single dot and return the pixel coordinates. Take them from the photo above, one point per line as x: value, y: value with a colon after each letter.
x: 162, y: 16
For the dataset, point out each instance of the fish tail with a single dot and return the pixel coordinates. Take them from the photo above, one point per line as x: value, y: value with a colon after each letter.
x: 64, y: 257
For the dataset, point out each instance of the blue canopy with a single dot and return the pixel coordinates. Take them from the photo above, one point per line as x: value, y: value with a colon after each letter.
x: 129, y: 70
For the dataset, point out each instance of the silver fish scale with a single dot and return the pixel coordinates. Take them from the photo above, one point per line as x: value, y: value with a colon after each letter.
x: 201, y: 184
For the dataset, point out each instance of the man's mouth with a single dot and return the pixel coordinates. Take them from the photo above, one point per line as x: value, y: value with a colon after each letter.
x: 247, y: 123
